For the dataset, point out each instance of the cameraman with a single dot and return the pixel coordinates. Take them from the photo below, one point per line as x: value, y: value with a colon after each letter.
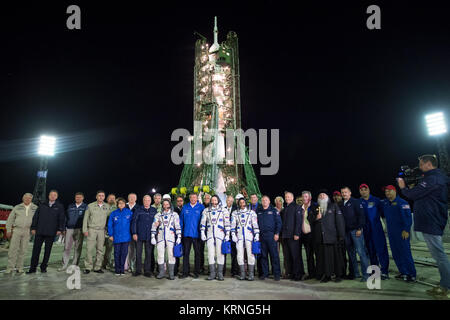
x: 430, y: 215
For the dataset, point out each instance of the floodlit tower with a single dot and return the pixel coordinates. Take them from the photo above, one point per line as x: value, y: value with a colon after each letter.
x: 217, y: 106
x: 437, y: 128
x: 46, y: 149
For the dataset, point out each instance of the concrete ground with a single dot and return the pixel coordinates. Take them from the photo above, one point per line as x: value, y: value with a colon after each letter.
x: 52, y: 285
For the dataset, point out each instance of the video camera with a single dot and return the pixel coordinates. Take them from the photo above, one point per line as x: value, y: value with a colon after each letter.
x: 411, y: 176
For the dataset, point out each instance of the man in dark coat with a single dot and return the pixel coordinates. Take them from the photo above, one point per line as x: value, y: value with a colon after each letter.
x: 141, y: 225
x: 48, y: 222
x: 329, y: 230
x: 430, y: 198
x: 354, y: 217
x: 291, y: 230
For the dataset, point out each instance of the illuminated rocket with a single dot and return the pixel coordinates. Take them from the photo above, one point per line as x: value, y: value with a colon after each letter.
x: 217, y: 105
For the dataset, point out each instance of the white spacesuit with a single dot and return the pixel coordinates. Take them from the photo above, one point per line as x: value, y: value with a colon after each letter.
x: 245, y: 230
x: 214, y: 229
x: 166, y: 232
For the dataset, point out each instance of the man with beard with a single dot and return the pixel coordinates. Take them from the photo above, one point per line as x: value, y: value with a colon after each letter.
x: 332, y: 230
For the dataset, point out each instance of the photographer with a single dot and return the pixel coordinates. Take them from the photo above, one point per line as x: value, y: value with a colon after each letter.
x: 430, y: 215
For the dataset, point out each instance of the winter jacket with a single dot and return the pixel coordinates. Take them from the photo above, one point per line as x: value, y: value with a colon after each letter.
x: 49, y: 220
x: 75, y: 216
x: 119, y: 225
x: 430, y: 202
x: 141, y: 224
x: 190, y: 219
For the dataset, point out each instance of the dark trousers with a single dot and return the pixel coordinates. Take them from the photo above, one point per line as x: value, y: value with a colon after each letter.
x: 295, y: 261
x: 149, y: 262
x: 177, y: 265
x: 260, y: 266
x: 319, y: 254
x: 342, y: 249
x: 187, y: 243
x: 269, y: 247
x: 332, y: 260
x: 286, y: 261
x: 37, y: 246
x: 120, y: 256
x: 234, y: 263
x: 202, y: 254
x: 306, y: 241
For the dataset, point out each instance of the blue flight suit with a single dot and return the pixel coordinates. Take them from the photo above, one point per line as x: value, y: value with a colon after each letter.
x: 374, y: 237
x: 398, y: 219
x: 269, y: 222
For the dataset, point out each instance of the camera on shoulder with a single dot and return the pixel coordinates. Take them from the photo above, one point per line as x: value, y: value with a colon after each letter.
x: 412, y: 176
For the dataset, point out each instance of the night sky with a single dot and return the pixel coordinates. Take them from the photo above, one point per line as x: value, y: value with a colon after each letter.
x: 349, y: 102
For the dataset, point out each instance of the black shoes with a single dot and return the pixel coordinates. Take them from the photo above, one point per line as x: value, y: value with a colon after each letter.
x: 98, y: 271
x: 86, y: 271
x: 325, y: 279
x: 148, y: 274
x: 43, y: 270
x: 349, y: 277
x: 337, y: 279
x: 31, y: 271
x: 136, y: 274
x: 195, y: 276
x: 183, y: 275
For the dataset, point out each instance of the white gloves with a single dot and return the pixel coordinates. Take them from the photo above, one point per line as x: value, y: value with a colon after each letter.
x: 203, y: 236
x: 256, y: 238
x: 153, y: 240
x: 178, y: 240
x: 233, y: 236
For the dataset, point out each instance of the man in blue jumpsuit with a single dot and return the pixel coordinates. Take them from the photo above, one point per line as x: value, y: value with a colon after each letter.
x: 269, y: 222
x: 374, y: 237
x: 399, y: 221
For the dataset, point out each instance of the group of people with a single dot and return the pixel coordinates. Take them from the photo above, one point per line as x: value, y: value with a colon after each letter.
x: 332, y: 231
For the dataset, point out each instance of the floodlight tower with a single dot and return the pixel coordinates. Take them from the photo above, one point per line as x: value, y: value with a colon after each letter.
x: 437, y: 127
x: 46, y: 149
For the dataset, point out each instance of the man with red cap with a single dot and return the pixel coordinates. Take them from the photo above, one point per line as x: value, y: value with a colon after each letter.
x: 399, y: 220
x: 337, y: 197
x: 374, y: 237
